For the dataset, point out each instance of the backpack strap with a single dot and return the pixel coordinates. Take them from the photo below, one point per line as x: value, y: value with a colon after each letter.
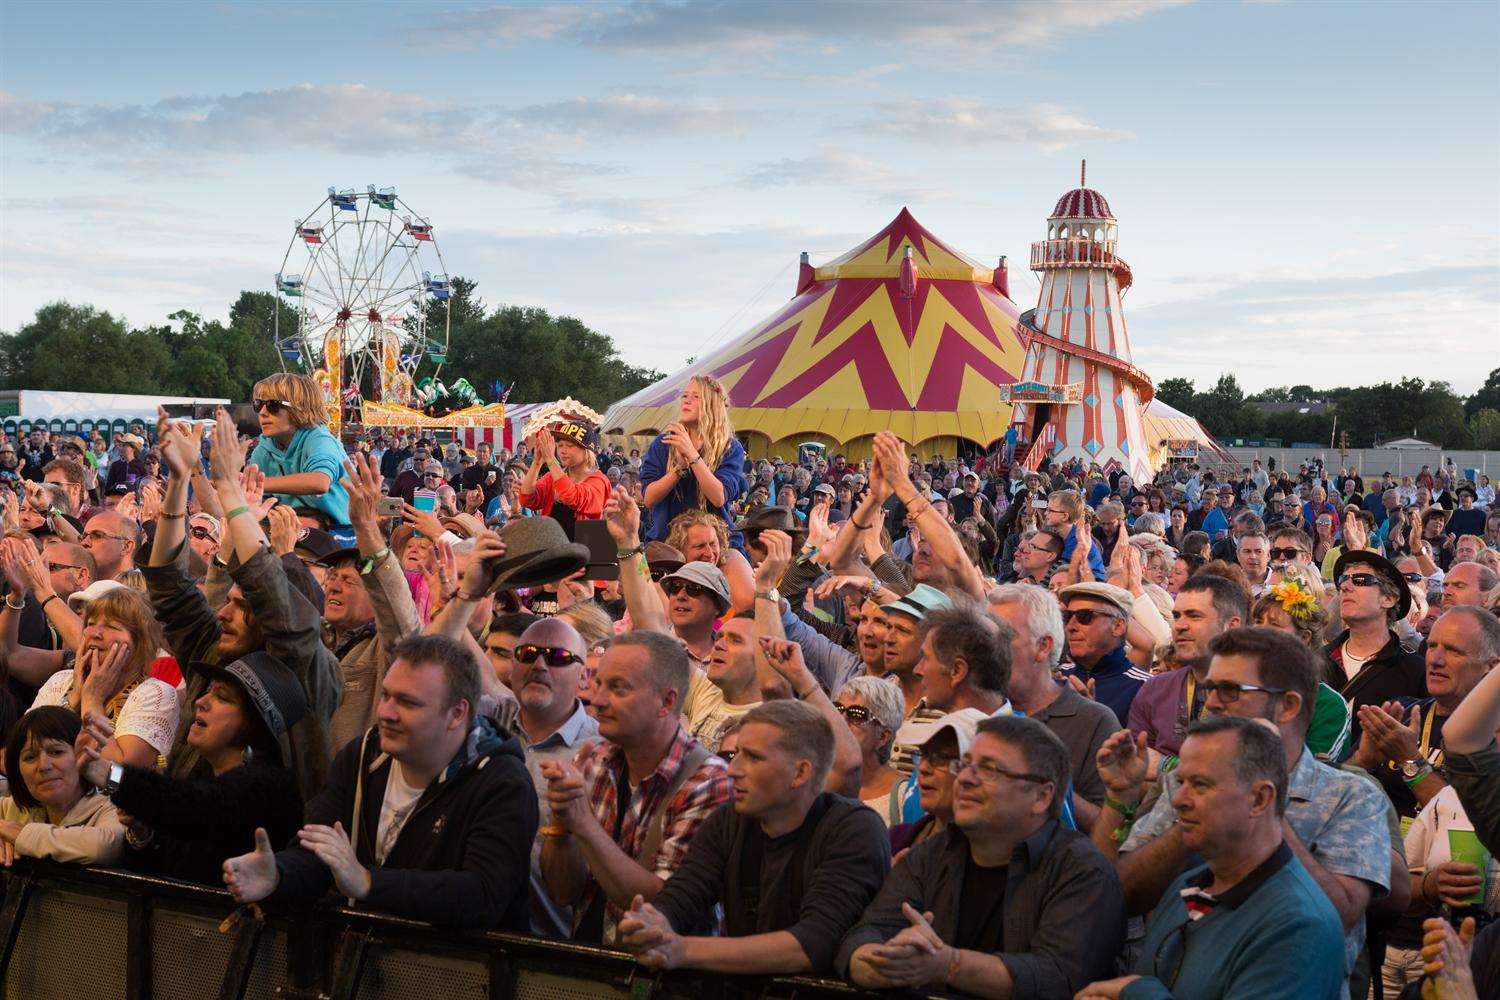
x: 655, y: 830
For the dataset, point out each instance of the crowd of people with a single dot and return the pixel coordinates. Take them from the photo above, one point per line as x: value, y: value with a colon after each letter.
x: 943, y: 725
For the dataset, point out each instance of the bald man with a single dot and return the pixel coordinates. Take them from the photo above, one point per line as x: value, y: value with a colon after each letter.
x: 111, y: 539
x: 1468, y: 583
x: 547, y: 669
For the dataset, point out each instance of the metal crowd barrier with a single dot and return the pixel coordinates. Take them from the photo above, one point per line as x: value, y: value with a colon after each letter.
x: 68, y: 933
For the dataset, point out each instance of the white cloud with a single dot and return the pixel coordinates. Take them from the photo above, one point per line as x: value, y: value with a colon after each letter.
x: 633, y: 115
x: 978, y: 121
x: 838, y: 168
x: 764, y: 25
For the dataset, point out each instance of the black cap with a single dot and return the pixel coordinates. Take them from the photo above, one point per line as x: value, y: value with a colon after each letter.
x: 1383, y: 567
x: 275, y: 695
x: 316, y: 543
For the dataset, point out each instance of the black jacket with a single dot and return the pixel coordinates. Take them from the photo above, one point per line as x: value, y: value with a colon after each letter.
x: 833, y: 865
x: 195, y: 824
x: 1390, y: 674
x: 463, y: 858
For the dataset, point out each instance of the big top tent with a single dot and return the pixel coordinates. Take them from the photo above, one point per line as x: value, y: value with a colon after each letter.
x: 1170, y: 433
x: 902, y: 333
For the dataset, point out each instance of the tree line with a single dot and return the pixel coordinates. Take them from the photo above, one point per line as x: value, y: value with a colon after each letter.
x: 80, y: 348
x: 1369, y: 414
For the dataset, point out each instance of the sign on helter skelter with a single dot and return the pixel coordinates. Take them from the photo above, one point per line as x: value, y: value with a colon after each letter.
x: 1041, y: 392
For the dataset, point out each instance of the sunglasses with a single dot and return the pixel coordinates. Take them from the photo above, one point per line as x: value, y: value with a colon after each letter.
x: 55, y: 566
x: 1412, y: 577
x: 1086, y: 616
x: 1359, y: 580
x: 1229, y: 692
x: 200, y: 533
x: 553, y: 656
x: 675, y: 587
x: 432, y: 475
x: 856, y: 715
x: 273, y: 405
x: 1289, y: 554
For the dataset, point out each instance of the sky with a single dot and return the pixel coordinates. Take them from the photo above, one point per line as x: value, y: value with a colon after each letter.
x: 1306, y: 192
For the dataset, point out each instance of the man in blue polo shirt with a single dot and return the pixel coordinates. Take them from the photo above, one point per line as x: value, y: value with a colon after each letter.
x: 1250, y: 921
x: 1095, y: 617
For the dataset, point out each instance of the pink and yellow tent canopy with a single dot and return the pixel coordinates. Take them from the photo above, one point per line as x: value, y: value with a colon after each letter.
x: 872, y: 341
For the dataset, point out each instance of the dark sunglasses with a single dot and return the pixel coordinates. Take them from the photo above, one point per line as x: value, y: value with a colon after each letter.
x: 1229, y: 692
x: 1288, y: 554
x: 200, y: 533
x: 1086, y: 616
x: 1413, y: 577
x: 856, y: 714
x: 553, y: 656
x: 675, y: 587
x: 1359, y: 580
x: 274, y: 405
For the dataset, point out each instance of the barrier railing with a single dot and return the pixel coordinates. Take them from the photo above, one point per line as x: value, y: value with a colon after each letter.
x: 70, y: 932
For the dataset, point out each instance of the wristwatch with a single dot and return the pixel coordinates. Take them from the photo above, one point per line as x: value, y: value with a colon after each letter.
x: 773, y: 595
x: 1415, y: 770
x: 116, y: 772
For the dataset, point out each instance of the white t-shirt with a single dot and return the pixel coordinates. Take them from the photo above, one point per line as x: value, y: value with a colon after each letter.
x: 149, y: 712
x: 400, y: 799
x: 1427, y: 842
x: 1353, y: 664
x: 705, y: 713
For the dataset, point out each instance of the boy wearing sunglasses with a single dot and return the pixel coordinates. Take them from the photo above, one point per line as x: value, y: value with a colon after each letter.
x: 301, y: 459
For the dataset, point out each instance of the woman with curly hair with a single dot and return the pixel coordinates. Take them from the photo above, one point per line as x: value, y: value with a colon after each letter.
x: 702, y: 537
x: 695, y: 462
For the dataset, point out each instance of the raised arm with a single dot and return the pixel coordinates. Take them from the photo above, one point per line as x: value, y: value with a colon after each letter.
x: 946, y: 547
x: 642, y: 599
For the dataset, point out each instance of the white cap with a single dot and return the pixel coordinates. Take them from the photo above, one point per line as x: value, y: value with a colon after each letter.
x: 92, y: 593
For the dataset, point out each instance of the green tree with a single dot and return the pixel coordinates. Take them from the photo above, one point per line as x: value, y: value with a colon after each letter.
x: 78, y: 348
x: 1484, y: 428
x: 1176, y: 392
x: 1488, y: 396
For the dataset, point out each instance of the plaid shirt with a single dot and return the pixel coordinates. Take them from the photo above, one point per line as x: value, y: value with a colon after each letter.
x: 704, y: 791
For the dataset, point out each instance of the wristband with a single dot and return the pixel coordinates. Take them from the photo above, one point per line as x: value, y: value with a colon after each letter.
x: 49, y: 600
x: 15, y: 607
x: 367, y: 566
x: 236, y: 512
x: 628, y: 553
x: 958, y: 959
x: 173, y: 517
x: 1127, y: 811
x: 1419, y: 777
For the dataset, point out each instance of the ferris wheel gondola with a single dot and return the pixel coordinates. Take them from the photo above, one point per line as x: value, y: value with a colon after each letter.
x: 371, y: 297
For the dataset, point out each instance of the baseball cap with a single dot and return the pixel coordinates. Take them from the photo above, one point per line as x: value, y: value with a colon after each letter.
x: 83, y: 598
x: 964, y: 723
x: 315, y: 544
x: 923, y: 599
x: 825, y: 488
x: 206, y: 521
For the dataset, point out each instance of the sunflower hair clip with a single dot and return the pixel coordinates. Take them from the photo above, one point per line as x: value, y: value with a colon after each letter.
x: 1294, y: 599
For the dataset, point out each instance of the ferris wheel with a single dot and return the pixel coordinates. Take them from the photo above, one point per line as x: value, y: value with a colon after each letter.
x: 365, y: 280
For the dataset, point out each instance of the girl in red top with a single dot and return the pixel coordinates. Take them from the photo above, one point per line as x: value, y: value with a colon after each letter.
x: 572, y: 489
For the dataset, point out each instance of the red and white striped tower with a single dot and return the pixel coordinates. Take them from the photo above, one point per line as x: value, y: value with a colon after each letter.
x: 1080, y: 396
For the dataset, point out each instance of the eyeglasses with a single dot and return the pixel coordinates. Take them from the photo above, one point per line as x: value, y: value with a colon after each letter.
x: 936, y: 761
x: 1359, y: 580
x: 1288, y: 554
x: 554, y: 656
x: 98, y: 536
x: 1086, y: 616
x: 677, y: 586
x: 55, y: 566
x: 990, y: 774
x: 1229, y: 692
x: 855, y: 715
x: 200, y: 533
x: 273, y: 405
x: 432, y: 475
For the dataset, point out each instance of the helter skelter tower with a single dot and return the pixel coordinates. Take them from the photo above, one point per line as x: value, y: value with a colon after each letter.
x: 1079, y: 395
